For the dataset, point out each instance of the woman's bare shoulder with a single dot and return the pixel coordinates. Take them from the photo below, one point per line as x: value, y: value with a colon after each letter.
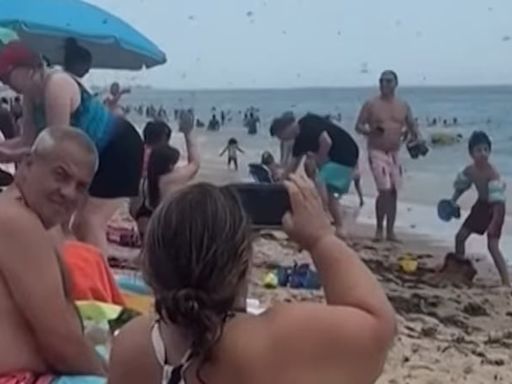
x: 132, y: 357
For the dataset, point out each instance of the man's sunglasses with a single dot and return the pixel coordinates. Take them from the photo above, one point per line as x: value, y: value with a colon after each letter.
x: 387, y: 81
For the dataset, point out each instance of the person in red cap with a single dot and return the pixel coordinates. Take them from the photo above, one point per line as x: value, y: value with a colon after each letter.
x: 56, y: 98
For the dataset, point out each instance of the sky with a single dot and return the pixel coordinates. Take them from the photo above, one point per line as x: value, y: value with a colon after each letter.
x: 318, y: 43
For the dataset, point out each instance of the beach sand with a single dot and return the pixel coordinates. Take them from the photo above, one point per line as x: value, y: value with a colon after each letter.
x: 446, y: 333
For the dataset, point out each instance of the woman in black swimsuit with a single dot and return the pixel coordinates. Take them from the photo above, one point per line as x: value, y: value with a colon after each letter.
x: 163, y: 176
x: 197, y: 257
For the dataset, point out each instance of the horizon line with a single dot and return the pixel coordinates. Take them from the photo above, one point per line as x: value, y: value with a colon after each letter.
x: 306, y: 87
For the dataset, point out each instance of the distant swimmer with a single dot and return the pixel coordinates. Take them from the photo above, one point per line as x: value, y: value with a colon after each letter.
x: 232, y: 148
x: 382, y: 120
x: 162, y: 114
x: 114, y: 97
x: 214, y: 123
x: 252, y: 123
x: 488, y: 213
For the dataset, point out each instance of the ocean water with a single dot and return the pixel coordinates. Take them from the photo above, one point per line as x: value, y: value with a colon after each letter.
x: 485, y: 108
x: 426, y: 181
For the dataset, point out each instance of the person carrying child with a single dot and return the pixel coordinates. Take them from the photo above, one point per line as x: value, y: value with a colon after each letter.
x: 488, y: 213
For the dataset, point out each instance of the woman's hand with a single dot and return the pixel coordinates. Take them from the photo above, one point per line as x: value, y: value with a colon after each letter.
x: 186, y: 122
x: 307, y: 222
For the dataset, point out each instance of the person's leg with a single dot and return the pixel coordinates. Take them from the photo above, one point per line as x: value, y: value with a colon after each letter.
x: 395, y: 179
x: 336, y: 212
x: 493, y: 244
x: 380, y: 166
x: 381, y: 208
x: 90, y: 221
x: 235, y: 161
x: 391, y: 215
x: 310, y: 167
x: 357, y: 184
x: 324, y: 195
x: 460, y: 242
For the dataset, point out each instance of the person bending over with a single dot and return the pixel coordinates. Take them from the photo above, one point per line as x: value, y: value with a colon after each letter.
x: 332, y: 149
x: 56, y: 98
x: 197, y: 259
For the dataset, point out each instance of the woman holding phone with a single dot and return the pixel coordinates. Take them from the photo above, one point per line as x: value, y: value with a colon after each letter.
x: 197, y: 259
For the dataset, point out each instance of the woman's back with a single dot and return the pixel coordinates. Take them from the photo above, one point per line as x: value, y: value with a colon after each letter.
x: 196, y: 259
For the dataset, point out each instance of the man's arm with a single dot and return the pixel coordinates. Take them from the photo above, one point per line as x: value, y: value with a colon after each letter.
x: 363, y: 120
x: 413, y: 133
x: 291, y: 167
x: 240, y: 149
x: 30, y: 267
x: 223, y: 151
x: 324, y: 146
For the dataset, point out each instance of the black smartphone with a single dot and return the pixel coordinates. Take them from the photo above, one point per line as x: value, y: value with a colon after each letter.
x: 265, y: 204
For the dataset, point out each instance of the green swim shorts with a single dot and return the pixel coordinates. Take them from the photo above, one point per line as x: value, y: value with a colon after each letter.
x: 336, y: 177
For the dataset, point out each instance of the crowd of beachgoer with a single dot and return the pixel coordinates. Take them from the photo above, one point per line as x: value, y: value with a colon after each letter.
x: 77, y: 158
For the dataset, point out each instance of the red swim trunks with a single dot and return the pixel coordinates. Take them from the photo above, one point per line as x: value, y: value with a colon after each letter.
x: 486, y: 217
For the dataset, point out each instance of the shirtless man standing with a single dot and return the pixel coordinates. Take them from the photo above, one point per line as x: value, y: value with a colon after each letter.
x: 386, y: 121
x: 41, y: 338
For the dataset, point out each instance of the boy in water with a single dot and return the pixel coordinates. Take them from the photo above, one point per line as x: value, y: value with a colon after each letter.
x: 488, y: 213
x: 232, y: 149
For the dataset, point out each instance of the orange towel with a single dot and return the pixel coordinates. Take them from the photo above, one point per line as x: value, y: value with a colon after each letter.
x: 90, y: 275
